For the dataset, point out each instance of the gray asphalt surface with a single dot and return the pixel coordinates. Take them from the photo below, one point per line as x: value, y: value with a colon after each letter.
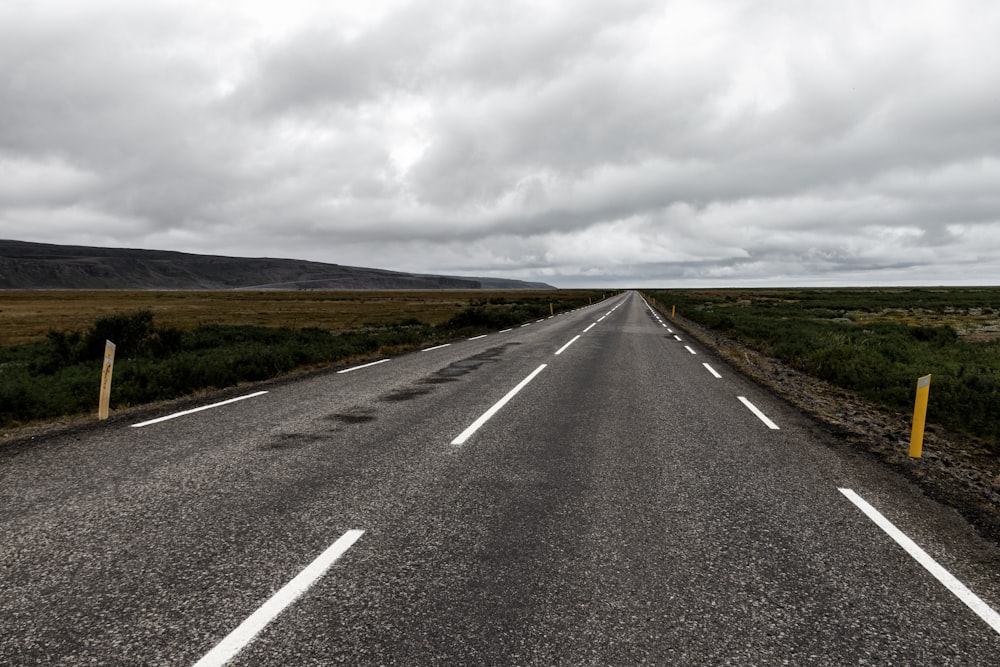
x: 624, y: 508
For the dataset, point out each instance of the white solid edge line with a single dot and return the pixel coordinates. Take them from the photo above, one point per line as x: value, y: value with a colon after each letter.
x: 561, y: 349
x: 760, y: 415
x: 590, y: 327
x: 973, y: 601
x: 712, y: 370
x: 436, y: 347
x: 478, y: 337
x: 236, y: 640
x: 358, y: 368
x: 485, y: 417
x: 192, y: 411
x: 688, y: 348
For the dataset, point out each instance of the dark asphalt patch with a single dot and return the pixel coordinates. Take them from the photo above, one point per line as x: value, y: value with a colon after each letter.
x: 292, y: 441
x: 405, y: 394
x: 359, y: 417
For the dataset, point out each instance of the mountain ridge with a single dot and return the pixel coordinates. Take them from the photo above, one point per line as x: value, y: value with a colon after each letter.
x: 29, y: 265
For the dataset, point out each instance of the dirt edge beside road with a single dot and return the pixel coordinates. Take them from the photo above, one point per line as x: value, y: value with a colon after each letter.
x: 954, y: 470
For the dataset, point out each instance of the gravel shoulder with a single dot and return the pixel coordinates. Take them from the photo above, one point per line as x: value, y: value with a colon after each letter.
x: 955, y: 470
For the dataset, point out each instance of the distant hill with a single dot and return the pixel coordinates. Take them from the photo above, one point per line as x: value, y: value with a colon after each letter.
x: 26, y: 265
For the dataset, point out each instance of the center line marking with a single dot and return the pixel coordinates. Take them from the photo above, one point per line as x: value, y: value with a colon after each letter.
x: 971, y: 600
x: 237, y: 640
x: 467, y: 433
x: 712, y: 370
x: 601, y: 318
x: 436, y: 347
x: 478, y: 337
x: 590, y: 327
x: 688, y: 348
x: 504, y: 330
x: 358, y: 368
x: 760, y: 415
x: 677, y: 337
x: 192, y: 411
x: 575, y: 338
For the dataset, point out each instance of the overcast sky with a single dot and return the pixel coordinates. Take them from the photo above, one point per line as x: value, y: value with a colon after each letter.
x: 583, y: 142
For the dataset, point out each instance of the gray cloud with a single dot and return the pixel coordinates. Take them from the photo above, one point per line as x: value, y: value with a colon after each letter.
x: 579, y: 143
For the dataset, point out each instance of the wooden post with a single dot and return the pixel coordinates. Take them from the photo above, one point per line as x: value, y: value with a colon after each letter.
x: 109, y: 364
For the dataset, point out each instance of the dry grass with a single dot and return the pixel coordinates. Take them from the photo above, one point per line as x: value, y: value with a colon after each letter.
x: 28, y: 315
x: 971, y: 325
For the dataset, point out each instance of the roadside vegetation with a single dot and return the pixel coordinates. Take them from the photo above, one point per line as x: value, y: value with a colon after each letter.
x: 58, y: 373
x: 874, y: 342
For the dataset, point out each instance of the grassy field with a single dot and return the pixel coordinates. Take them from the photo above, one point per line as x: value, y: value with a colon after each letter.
x: 29, y: 315
x: 171, y: 344
x: 875, y: 342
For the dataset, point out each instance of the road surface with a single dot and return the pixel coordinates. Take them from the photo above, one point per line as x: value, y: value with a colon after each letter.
x: 590, y: 489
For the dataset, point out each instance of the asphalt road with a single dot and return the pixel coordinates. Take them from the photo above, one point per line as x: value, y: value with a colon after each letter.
x: 623, y: 507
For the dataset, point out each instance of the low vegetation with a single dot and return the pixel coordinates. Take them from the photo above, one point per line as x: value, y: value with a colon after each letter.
x: 58, y: 373
x: 875, y: 342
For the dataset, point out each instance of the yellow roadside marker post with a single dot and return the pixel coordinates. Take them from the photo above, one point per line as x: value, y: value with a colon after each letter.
x: 109, y: 364
x: 673, y: 311
x: 551, y: 310
x: 919, y: 417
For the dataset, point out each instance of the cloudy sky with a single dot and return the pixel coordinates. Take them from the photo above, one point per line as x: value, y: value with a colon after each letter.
x: 579, y: 142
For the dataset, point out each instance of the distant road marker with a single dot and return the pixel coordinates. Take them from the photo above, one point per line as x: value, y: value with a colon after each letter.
x: 237, y: 640
x: 204, y: 407
x: 971, y: 600
x: 485, y: 417
x: 760, y: 415
x: 712, y: 370
x: 358, y: 368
